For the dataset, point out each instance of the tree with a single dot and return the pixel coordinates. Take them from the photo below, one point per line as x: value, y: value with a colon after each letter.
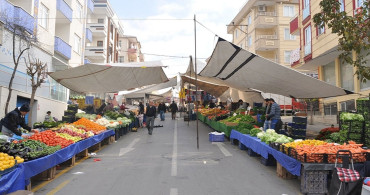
x: 37, y: 71
x: 353, y: 32
x: 22, y: 41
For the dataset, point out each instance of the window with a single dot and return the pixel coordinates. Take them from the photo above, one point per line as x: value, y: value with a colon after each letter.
x: 120, y: 43
x: 341, y: 8
x: 236, y: 33
x: 99, y: 43
x: 331, y: 109
x: 121, y: 59
x: 249, y: 20
x: 357, y: 5
x: 288, y: 11
x: 249, y: 41
x: 78, y: 11
x: 347, y: 105
x: 287, y: 56
x: 43, y: 16
x: 287, y: 35
x: 321, y: 29
x: 329, y: 73
x: 101, y: 21
x: 307, y: 41
x: 347, y: 80
x: 77, y: 44
x: 306, y: 8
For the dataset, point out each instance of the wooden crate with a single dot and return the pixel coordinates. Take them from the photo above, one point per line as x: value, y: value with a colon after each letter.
x: 83, y: 153
x: 283, y: 173
x: 47, y: 174
x: 112, y: 139
x: 28, y: 187
x: 95, y: 147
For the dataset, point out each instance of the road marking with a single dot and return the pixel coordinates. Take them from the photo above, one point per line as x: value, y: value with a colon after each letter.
x: 129, y: 148
x: 174, y: 191
x: 59, y: 187
x: 38, y: 187
x: 222, y: 148
x: 174, y: 153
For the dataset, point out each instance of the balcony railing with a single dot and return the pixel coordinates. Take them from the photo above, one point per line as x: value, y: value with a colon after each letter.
x: 306, y: 12
x: 266, y: 14
x: 131, y: 51
x: 265, y: 19
x: 14, y: 15
x: 294, y: 25
x: 307, y: 49
x: 96, y: 53
x: 90, y: 5
x: 98, y: 29
x: 62, y: 48
x: 266, y: 37
x: 89, y: 36
x: 64, y: 8
x: 87, y: 61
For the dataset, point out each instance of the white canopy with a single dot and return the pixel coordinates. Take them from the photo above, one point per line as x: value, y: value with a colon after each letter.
x: 151, y: 88
x: 243, y: 70
x: 111, y: 77
x: 246, y: 96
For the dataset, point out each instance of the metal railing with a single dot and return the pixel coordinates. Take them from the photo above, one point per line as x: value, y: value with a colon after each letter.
x: 274, y: 37
x: 90, y: 5
x: 266, y: 14
x: 65, y: 9
x: 62, y: 48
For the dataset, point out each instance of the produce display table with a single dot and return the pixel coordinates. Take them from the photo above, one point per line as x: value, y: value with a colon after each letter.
x: 201, y: 117
x: 20, y: 177
x: 290, y: 164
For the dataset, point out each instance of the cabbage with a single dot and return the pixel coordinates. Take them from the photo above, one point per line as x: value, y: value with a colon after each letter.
x: 260, y: 135
x: 270, y: 131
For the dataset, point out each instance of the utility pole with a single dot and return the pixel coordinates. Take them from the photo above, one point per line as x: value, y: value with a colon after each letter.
x: 196, y: 81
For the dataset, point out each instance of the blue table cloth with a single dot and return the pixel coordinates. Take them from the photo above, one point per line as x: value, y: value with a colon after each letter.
x: 20, y: 177
x: 290, y: 164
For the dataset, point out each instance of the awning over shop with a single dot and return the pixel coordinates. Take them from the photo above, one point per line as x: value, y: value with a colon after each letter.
x: 213, y: 89
x: 247, y: 96
x: 111, y: 77
x: 243, y: 70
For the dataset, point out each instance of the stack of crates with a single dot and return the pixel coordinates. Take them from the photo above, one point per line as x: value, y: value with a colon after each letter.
x: 363, y: 107
x: 299, y: 127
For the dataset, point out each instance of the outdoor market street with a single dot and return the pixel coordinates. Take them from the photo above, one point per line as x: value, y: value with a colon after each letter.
x: 168, y: 162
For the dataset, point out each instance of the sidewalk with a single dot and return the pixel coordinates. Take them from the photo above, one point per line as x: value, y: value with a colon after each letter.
x: 312, y: 130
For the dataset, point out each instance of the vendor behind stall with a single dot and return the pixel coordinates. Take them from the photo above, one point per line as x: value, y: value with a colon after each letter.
x: 14, y: 118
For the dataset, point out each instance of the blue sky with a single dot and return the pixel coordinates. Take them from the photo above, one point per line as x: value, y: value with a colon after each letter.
x: 176, y: 37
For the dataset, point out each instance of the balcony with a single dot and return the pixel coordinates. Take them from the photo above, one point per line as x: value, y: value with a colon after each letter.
x: 96, y: 53
x: 64, y: 12
x: 294, y: 26
x: 90, y: 5
x: 62, y: 48
x: 265, y: 20
x: 89, y: 37
x: 266, y: 42
x: 98, y: 29
x: 16, y: 15
x: 131, y: 50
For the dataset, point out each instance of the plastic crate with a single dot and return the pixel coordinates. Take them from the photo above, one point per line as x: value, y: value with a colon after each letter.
x: 315, y: 182
x: 251, y: 153
x: 301, y: 132
x: 297, y: 119
x: 216, y: 138
x: 270, y: 161
x: 242, y: 146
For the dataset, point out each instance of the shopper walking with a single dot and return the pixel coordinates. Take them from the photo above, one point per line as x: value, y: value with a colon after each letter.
x: 267, y: 123
x: 151, y: 113
x: 174, y: 109
x: 275, y: 115
x: 141, y: 108
x: 162, y: 110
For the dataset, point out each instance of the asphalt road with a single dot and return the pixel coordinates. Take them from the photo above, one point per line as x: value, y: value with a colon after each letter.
x: 169, y: 163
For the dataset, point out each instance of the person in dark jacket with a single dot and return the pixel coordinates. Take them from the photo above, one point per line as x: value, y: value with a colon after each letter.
x: 151, y: 113
x: 101, y: 108
x: 14, y: 118
x: 174, y: 109
x: 141, y: 108
x: 162, y: 110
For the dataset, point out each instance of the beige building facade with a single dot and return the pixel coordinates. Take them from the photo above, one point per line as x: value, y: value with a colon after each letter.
x: 262, y: 27
x: 318, y: 53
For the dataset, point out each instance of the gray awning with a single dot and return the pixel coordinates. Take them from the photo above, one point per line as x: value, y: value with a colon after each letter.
x: 113, y: 77
x: 244, y: 70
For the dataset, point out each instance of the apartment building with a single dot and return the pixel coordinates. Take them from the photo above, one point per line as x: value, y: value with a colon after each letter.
x: 131, y: 50
x: 262, y: 27
x: 318, y: 52
x: 103, y: 29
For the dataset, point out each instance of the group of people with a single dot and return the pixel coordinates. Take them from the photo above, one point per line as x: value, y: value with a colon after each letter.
x: 151, y: 113
x: 273, y: 119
